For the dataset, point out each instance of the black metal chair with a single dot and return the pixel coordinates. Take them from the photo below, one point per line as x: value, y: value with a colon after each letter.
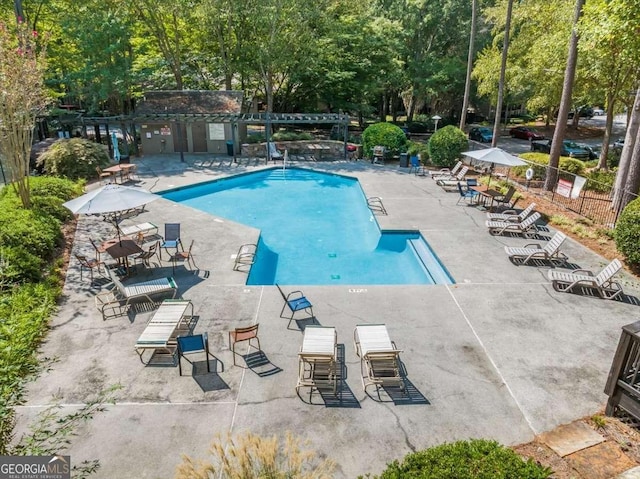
x: 197, y: 343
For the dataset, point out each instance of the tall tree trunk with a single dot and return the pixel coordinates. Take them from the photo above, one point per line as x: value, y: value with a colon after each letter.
x: 17, y: 7
x: 467, y: 83
x: 503, y: 70
x: 602, y: 162
x: 626, y: 156
x: 633, y: 177
x: 565, y: 102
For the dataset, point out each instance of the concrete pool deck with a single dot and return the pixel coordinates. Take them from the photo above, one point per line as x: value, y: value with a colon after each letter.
x: 497, y: 355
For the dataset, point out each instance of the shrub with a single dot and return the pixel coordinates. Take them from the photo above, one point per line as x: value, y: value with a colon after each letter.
x: 29, y: 229
x: 476, y: 458
x: 417, y: 148
x: 18, y: 266
x: 627, y: 232
x: 47, y: 195
x: 418, y: 127
x: 254, y: 139
x: 74, y: 158
x: 384, y: 134
x: 571, y: 165
x: 291, y: 136
x: 446, y: 144
x: 600, y: 180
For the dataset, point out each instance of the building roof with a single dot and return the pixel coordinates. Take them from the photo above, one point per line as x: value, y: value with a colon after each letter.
x: 172, y: 102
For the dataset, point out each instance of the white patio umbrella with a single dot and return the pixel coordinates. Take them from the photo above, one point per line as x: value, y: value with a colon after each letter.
x: 116, y: 150
x: 110, y: 200
x: 494, y: 156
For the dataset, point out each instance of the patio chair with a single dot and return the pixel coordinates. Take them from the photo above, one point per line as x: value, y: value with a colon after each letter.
x: 272, y: 152
x: 171, y: 237
x: 193, y: 344
x: 415, y: 166
x: 466, y: 194
x: 506, y: 199
x: 245, y: 258
x: 117, y: 301
x: 145, y: 256
x: 452, y: 182
x: 104, y: 174
x: 98, y: 249
x: 185, y: 256
x: 295, y: 301
x: 445, y: 173
x: 89, y: 264
x: 379, y: 356
x: 550, y: 251
x: 239, y: 335
x: 602, y: 282
x: 525, y: 228
x: 511, y: 215
x: 137, y: 229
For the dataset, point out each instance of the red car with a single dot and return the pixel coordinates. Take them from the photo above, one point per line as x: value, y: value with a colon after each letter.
x: 525, y: 133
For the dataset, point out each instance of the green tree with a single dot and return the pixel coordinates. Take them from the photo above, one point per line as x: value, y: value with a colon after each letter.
x: 446, y: 145
x: 22, y: 99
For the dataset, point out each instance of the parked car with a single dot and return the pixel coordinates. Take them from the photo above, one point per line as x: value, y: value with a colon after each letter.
x: 569, y: 148
x: 583, y: 112
x: 618, y: 144
x: 597, y: 111
x: 594, y: 150
x: 525, y: 133
x: 481, y: 134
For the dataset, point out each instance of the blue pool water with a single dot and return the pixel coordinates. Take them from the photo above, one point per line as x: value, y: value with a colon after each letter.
x: 316, y: 228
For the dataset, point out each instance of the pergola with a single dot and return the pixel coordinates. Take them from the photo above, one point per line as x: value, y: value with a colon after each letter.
x: 266, y: 119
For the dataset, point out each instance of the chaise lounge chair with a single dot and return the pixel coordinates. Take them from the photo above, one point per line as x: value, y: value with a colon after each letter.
x: 117, y: 301
x: 451, y: 183
x: 511, y: 215
x: 550, y: 251
x: 272, y: 152
x: 379, y: 357
x: 602, y: 282
x: 525, y: 228
x: 445, y: 173
x: 317, y: 360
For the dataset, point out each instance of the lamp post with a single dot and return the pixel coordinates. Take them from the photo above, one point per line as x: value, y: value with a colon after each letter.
x: 436, y: 119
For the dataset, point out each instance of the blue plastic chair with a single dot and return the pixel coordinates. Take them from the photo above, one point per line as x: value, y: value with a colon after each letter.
x: 295, y: 301
x: 416, y: 167
x: 466, y: 194
x: 198, y: 343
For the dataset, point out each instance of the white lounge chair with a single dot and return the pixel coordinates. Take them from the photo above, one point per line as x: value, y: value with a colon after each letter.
x: 317, y: 359
x: 452, y: 181
x: 550, y: 251
x: 117, y: 301
x: 511, y: 215
x: 379, y: 357
x: 602, y: 282
x: 525, y: 228
x: 445, y: 173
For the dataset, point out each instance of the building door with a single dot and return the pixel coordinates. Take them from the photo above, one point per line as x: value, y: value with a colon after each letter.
x: 179, y: 136
x: 199, y: 133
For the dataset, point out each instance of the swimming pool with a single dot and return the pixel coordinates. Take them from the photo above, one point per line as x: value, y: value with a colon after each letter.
x: 315, y: 228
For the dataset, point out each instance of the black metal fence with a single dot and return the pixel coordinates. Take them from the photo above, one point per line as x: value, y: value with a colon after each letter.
x: 581, y: 195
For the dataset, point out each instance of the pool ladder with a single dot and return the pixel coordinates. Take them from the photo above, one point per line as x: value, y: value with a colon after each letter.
x: 375, y: 204
x: 245, y: 258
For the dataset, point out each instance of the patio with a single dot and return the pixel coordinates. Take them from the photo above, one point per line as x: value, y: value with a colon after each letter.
x: 498, y: 355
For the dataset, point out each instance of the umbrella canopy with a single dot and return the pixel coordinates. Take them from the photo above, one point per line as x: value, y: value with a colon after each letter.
x: 495, y: 156
x: 110, y: 199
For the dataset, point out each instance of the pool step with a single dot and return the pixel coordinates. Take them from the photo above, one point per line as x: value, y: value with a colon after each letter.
x: 430, y: 261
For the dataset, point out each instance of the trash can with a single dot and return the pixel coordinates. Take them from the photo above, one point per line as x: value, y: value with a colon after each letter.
x: 404, y: 160
x: 229, y: 147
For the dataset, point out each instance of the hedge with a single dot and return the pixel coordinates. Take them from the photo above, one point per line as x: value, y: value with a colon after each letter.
x: 476, y: 458
x: 627, y: 232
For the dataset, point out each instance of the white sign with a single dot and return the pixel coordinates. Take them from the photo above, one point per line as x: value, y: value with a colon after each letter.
x: 577, y: 186
x: 216, y: 131
x: 564, y: 188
